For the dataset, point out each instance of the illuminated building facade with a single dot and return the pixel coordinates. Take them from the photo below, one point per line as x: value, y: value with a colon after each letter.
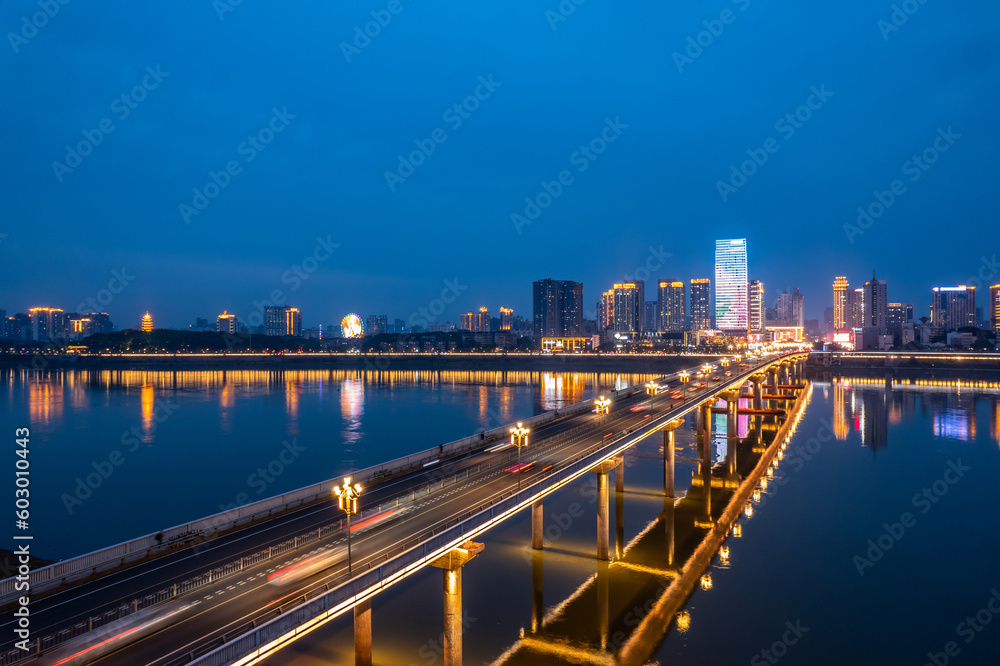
x: 506, y: 318
x: 226, y: 323
x: 953, y: 307
x: 731, y: 285
x: 557, y: 309
x: 899, y: 314
x: 606, y: 311
x: 477, y: 322
x: 293, y: 322
x: 282, y: 320
x: 146, y: 325
x: 46, y: 324
x: 995, y: 308
x: 377, y: 324
x: 701, y: 304
x: 672, y: 306
x: 629, y: 306
x: 841, y: 313
x: 790, y: 308
x: 755, y: 301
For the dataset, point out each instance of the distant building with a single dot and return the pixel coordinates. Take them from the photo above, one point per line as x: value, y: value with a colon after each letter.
x: 376, y: 324
x: 398, y: 326
x: 874, y: 307
x: 284, y: 320
x: 758, y: 311
x: 672, y: 305
x: 629, y: 302
x: 649, y: 320
x: 791, y: 307
x: 898, y: 314
x: 19, y: 326
x: 506, y: 318
x: 226, y: 323
x: 146, y: 325
x: 701, y: 304
x: 842, y: 312
x: 477, y: 322
x: 557, y: 309
x: 852, y: 308
x: 731, y: 285
x: 46, y: 324
x: 994, y: 308
x: 953, y: 307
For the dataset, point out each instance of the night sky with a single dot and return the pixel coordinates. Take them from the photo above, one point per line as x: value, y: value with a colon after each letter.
x: 331, y: 112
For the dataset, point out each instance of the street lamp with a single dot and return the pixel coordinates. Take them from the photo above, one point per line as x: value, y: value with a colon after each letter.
x: 602, y: 404
x: 347, y: 501
x: 651, y: 389
x: 519, y: 438
x: 684, y: 376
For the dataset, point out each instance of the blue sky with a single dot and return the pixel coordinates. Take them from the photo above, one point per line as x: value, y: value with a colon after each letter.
x: 227, y: 73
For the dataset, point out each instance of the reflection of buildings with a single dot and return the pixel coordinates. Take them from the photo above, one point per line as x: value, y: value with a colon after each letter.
x: 995, y: 421
x: 352, y: 408
x: 874, y: 420
x: 148, y: 400
x: 840, y: 427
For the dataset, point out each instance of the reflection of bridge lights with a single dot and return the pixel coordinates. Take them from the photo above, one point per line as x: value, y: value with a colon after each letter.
x: 737, y: 530
x: 756, y: 494
x: 684, y: 621
x: 706, y: 582
x: 748, y: 510
x: 724, y: 553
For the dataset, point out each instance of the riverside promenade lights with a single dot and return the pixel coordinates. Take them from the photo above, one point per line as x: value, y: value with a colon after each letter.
x: 347, y: 501
x: 519, y: 438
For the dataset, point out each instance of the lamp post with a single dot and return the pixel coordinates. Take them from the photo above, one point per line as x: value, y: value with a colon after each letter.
x: 519, y: 438
x: 651, y: 390
x: 347, y: 501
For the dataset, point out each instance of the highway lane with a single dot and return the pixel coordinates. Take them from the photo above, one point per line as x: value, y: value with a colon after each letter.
x: 240, y: 597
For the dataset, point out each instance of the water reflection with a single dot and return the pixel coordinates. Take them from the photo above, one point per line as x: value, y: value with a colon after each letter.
x: 148, y: 400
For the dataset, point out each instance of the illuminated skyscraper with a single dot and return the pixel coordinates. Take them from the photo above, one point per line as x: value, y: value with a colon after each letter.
x: 701, y: 304
x: 557, y: 309
x: 226, y: 323
x: 282, y: 320
x: 790, y: 308
x: 606, y: 311
x: 673, y: 315
x: 755, y: 301
x: 995, y: 308
x: 477, y: 322
x: 293, y: 322
x: 854, y: 315
x: 506, y: 318
x: 629, y: 307
x: 731, y: 285
x: 46, y: 324
x: 953, y: 307
x: 147, y: 322
x: 899, y: 314
x: 840, y: 311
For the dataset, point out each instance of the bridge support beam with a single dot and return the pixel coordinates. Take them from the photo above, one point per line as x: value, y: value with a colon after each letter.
x: 620, y: 478
x: 757, y: 381
x: 451, y: 565
x: 603, y: 522
x: 536, y: 525
x: 668, y: 463
x: 363, y: 633
x: 732, y: 399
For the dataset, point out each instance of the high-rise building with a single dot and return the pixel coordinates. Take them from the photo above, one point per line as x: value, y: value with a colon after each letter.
x: 853, y: 314
x: 506, y: 318
x: 953, y: 307
x: 293, y: 322
x: 477, y: 322
x: 701, y: 304
x: 629, y: 307
x: 755, y: 301
x: 841, y: 312
x: 606, y: 311
x: 731, y: 285
x: 557, y: 309
x: 790, y: 308
x: 651, y: 315
x: 376, y: 324
x: 898, y: 314
x: 994, y: 307
x: 874, y: 313
x: 672, y: 306
x: 147, y: 323
x: 226, y: 323
x: 46, y: 324
x: 283, y: 320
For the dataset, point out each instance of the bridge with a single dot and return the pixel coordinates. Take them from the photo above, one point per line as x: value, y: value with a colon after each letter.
x: 237, y: 587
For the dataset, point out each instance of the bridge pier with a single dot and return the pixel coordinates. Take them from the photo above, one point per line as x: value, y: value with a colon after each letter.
x: 603, y: 525
x: 757, y: 381
x: 536, y: 525
x: 451, y: 565
x: 732, y: 399
x: 668, y: 458
x: 363, y: 633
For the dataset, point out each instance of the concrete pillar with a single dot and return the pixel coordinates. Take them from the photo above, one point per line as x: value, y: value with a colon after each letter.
x: 732, y: 434
x: 453, y: 616
x: 668, y: 463
x: 758, y: 392
x: 699, y: 423
x: 602, y: 516
x: 536, y: 525
x: 707, y: 420
x: 363, y: 633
